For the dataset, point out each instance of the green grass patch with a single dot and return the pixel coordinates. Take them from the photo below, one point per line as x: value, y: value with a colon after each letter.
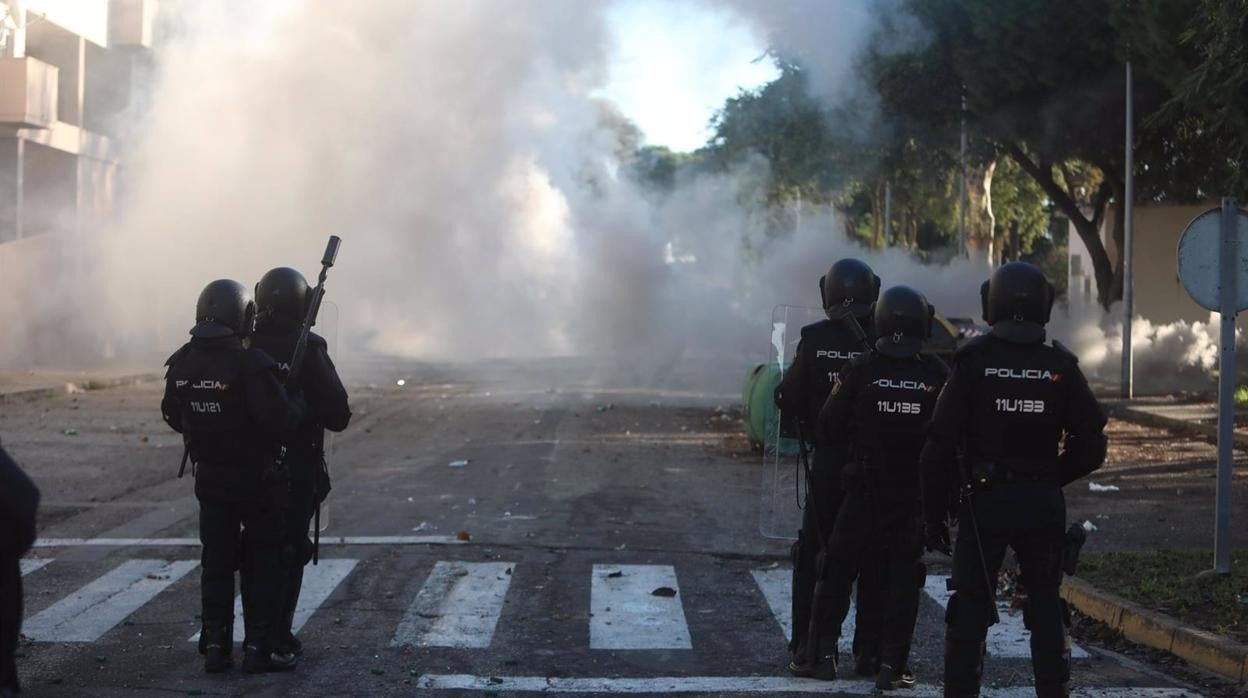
x: 1166, y: 581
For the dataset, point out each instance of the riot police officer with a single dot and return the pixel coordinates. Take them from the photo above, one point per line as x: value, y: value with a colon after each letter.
x: 282, y: 298
x: 849, y: 288
x: 1021, y: 412
x: 880, y: 406
x: 225, y: 399
x: 19, y: 502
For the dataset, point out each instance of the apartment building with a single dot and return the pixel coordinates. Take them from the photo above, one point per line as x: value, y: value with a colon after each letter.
x: 68, y: 74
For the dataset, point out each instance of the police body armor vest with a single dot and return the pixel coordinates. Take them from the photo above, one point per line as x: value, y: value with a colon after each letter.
x: 212, y: 400
x: 280, y: 345
x: 894, y: 402
x: 1018, y: 414
x: 831, y: 345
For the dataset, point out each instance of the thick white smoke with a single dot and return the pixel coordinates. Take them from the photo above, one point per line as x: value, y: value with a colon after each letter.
x: 1173, y: 357
x: 476, y: 184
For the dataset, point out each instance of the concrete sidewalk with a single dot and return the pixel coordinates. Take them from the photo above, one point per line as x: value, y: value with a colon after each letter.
x: 1195, y: 418
x: 20, y: 386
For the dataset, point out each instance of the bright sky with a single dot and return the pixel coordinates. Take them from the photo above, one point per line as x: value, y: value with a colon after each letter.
x: 674, y: 64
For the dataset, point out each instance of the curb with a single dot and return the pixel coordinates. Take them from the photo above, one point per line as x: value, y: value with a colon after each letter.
x: 42, y: 392
x: 1208, y: 432
x: 1159, y: 631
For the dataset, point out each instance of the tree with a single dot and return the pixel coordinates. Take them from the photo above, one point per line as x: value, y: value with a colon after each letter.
x: 1044, y: 84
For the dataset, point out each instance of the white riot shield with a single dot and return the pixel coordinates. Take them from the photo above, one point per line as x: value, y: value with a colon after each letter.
x: 327, y: 327
x: 784, y: 489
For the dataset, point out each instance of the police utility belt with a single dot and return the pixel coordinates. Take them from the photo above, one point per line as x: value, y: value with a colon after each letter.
x: 985, y: 475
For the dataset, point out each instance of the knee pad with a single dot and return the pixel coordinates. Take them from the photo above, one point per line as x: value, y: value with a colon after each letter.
x: 967, y: 618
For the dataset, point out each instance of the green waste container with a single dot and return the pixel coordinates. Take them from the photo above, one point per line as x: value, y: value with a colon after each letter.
x: 759, y: 404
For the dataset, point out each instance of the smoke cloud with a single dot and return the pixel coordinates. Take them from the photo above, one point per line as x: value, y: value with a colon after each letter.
x: 477, y: 186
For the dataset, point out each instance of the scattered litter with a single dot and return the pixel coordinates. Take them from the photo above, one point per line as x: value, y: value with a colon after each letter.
x: 621, y: 546
x: 400, y: 382
x: 457, y: 463
x: 70, y: 432
x: 1102, y: 488
x: 472, y: 500
x: 615, y: 574
x: 411, y: 499
x: 665, y: 592
x: 463, y: 535
x: 101, y: 659
x: 144, y: 439
x: 1089, y: 526
x: 495, y: 680
x: 158, y: 577
x: 424, y: 526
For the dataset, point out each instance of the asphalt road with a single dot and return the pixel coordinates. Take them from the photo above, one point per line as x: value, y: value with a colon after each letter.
x: 586, y: 490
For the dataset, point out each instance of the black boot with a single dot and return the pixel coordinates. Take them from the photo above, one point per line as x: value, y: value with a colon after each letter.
x: 286, y: 642
x: 1053, y: 690
x: 890, y: 679
x: 259, y: 660
x: 800, y: 664
x: 825, y: 667
x: 217, y: 646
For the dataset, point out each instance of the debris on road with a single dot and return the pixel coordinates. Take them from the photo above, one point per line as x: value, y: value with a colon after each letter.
x: 616, y: 574
x: 1092, y: 486
x: 665, y: 592
x: 70, y: 432
x: 463, y: 535
x: 457, y: 463
x: 1089, y: 526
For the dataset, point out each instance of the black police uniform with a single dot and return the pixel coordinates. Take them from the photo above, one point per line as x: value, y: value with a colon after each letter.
x: 227, y: 401
x: 1009, y: 403
x: 19, y: 502
x: 880, y: 406
x: 326, y: 400
x: 825, y: 347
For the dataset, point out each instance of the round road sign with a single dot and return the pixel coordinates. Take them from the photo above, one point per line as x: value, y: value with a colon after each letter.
x: 1199, y: 249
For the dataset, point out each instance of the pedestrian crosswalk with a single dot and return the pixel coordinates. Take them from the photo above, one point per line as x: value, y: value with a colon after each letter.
x: 96, y: 608
x: 461, y: 604
x: 319, y: 581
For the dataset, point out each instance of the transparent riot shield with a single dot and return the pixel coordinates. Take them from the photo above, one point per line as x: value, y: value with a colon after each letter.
x: 327, y: 327
x: 783, y: 489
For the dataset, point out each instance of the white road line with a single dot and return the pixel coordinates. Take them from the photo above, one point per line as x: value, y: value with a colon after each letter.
x: 319, y: 581
x: 1009, y: 638
x: 30, y: 564
x: 777, y: 588
x: 742, y: 684
x: 194, y: 542
x: 626, y: 615
x: 458, y: 606
x: 93, y: 610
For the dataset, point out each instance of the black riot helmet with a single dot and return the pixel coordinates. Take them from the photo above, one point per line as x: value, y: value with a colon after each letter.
x: 224, y: 308
x: 1017, y: 292
x: 282, y: 294
x: 852, y: 284
x: 903, y: 319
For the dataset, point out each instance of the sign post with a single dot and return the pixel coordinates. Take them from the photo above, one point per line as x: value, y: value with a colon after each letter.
x: 1216, y: 277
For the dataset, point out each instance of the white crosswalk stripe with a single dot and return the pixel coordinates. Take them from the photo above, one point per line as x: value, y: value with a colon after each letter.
x: 458, y: 606
x: 1009, y: 638
x: 777, y: 587
x: 32, y: 564
x: 96, y: 608
x: 319, y: 581
x: 632, y: 611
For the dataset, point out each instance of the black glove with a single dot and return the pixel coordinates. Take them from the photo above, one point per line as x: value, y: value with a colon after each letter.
x: 936, y: 537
